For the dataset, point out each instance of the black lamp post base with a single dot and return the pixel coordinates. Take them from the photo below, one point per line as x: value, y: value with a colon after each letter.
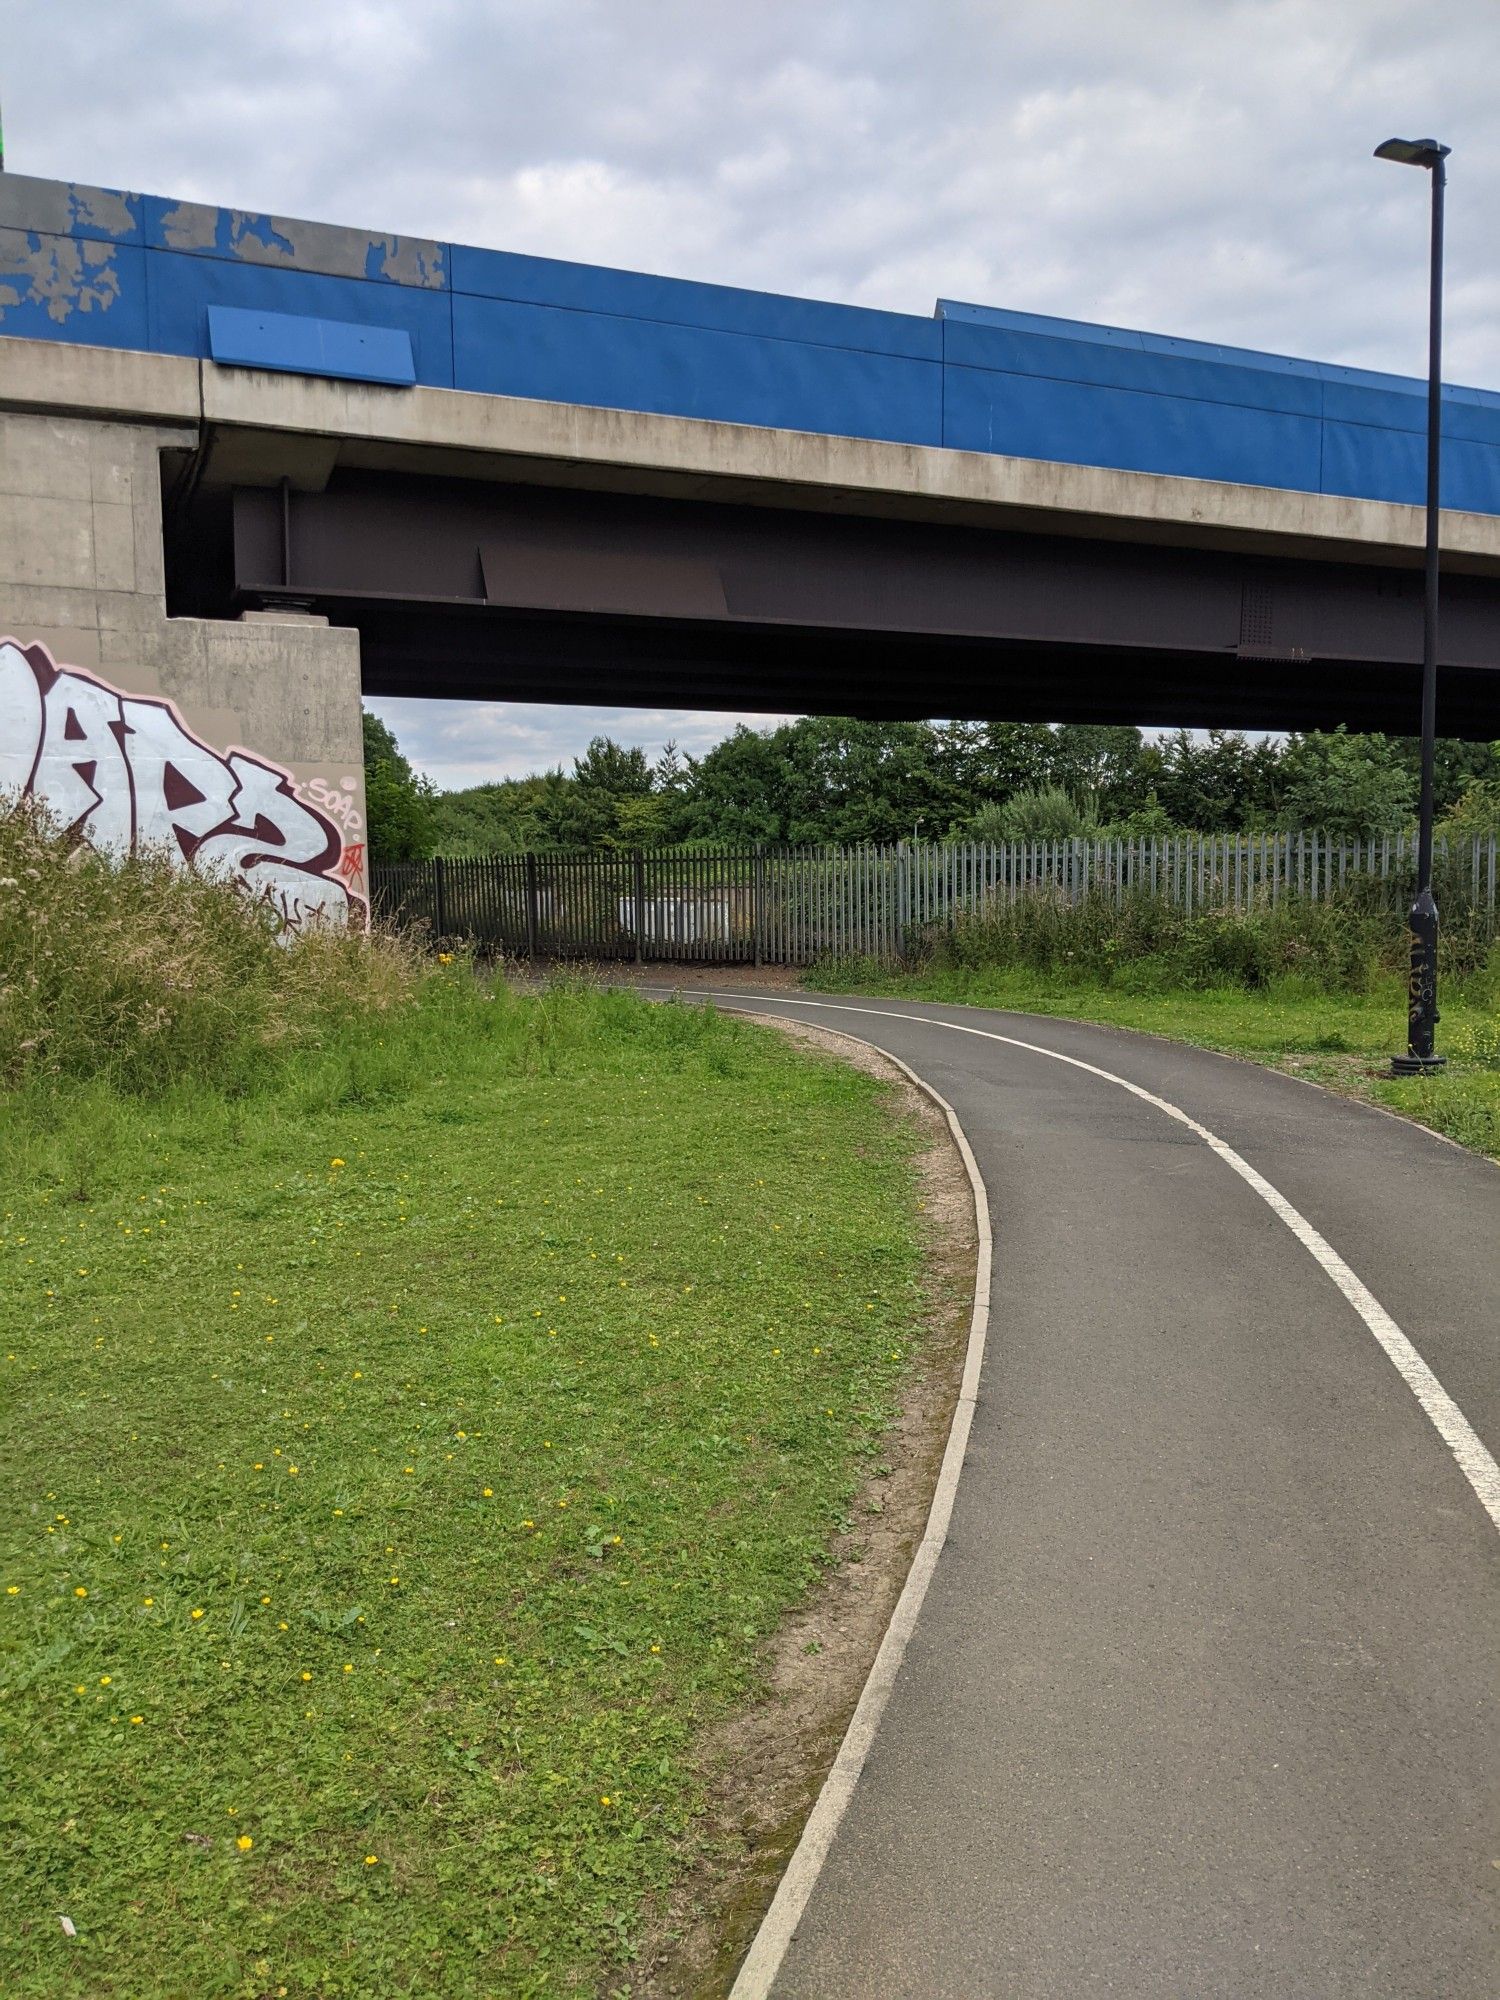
x: 1417, y: 1065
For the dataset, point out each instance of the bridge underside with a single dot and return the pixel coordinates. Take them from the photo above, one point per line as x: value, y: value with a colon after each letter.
x: 462, y: 589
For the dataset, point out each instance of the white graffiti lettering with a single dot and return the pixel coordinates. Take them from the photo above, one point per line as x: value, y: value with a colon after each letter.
x: 125, y: 774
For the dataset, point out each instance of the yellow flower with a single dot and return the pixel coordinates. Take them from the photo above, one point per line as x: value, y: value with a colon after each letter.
x: 605, y: 1799
x: 79, y: 1591
x: 104, y: 1680
x: 371, y: 1859
x: 138, y: 1718
x: 306, y: 1675
x: 445, y: 958
x: 198, y: 1614
x: 489, y: 1492
x: 244, y: 1843
x: 148, y: 1600
x: 338, y: 1163
x: 294, y: 1470
x: 13, y: 1590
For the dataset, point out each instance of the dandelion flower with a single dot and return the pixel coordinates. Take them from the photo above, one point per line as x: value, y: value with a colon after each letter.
x: 244, y: 1842
x: 79, y: 1591
x: 306, y: 1675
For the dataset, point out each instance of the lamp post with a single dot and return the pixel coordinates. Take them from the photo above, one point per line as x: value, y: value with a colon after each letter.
x: 1421, y: 1002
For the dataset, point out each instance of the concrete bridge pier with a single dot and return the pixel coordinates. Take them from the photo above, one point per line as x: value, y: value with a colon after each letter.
x: 233, y: 743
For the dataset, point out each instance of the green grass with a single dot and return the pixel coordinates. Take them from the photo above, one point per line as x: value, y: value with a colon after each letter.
x: 1342, y: 1040
x: 437, y: 1435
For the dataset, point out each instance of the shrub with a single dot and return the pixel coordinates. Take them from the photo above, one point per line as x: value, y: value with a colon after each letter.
x: 1048, y: 813
x: 1145, y: 943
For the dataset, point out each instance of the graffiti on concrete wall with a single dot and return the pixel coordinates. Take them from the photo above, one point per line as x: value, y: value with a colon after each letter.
x: 124, y: 773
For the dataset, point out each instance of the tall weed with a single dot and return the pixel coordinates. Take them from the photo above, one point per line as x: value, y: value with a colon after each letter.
x: 142, y: 974
x: 1143, y: 943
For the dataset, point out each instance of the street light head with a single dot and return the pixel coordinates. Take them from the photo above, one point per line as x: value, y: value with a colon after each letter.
x: 1413, y: 152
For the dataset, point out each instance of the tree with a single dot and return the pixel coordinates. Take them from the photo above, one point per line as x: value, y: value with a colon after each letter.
x: 1343, y: 784
x: 1095, y: 762
x: 1219, y: 784
x: 398, y: 804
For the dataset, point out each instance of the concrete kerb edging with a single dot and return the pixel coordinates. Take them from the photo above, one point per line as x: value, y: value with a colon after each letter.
x: 779, y: 1925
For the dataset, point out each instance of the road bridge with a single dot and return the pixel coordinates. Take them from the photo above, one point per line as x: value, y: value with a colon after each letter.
x: 249, y: 466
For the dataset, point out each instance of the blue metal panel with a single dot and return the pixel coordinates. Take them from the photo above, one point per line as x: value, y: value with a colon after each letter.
x: 1123, y: 367
x: 1087, y: 424
x: 183, y: 288
x: 1046, y: 326
x: 75, y: 289
x: 545, y: 281
x: 300, y: 346
x: 1372, y: 464
x: 582, y: 357
x: 123, y: 270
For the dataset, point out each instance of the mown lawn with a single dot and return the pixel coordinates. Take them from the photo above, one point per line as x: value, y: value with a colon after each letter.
x: 401, y: 1466
x: 1342, y: 1040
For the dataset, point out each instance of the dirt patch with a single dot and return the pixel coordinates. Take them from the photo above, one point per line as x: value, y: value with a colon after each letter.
x: 763, y: 1768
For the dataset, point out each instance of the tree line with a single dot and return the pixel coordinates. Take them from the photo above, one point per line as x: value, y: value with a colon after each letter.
x: 837, y: 781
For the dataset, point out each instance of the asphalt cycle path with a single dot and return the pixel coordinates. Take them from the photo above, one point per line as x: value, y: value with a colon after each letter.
x: 1202, y: 1697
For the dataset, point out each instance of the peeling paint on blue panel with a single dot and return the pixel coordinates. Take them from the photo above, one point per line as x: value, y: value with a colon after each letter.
x: 68, y: 208
x: 62, y: 288
x: 576, y: 357
x: 235, y: 235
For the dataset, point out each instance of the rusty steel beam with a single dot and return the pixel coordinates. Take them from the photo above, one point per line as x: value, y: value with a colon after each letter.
x: 536, y: 594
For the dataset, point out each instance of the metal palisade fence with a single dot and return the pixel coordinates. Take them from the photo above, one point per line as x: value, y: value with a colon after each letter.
x: 792, y: 905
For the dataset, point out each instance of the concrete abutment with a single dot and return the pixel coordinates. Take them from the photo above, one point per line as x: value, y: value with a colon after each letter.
x: 237, y: 743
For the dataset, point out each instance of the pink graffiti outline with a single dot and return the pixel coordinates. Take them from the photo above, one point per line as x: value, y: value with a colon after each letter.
x: 324, y: 866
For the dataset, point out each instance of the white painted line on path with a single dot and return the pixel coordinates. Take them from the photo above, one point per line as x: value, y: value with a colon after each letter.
x: 1448, y: 1420
x: 778, y: 1926
x: 763, y: 1961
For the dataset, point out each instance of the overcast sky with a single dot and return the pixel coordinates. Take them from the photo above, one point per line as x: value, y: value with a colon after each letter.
x: 1198, y: 167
